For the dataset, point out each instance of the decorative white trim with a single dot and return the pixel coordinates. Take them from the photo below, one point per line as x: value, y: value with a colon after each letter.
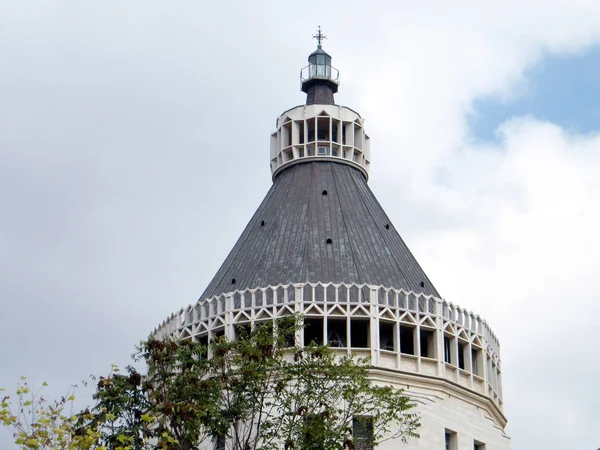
x: 367, y: 302
x: 320, y: 133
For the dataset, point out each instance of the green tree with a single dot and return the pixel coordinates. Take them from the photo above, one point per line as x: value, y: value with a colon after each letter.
x: 258, y: 391
x: 329, y: 399
x: 273, y: 393
x: 168, y: 407
x: 39, y: 424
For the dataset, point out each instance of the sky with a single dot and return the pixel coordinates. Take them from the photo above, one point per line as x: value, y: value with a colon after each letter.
x: 134, y: 148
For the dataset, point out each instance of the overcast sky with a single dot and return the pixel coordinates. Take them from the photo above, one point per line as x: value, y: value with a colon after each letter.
x: 134, y: 148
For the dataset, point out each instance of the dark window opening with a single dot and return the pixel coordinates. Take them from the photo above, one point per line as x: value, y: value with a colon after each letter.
x: 334, y: 131
x: 233, y: 281
x: 336, y: 332
x: 203, y: 341
x: 478, y: 445
x: 422, y: 284
x: 461, y: 356
x: 301, y: 132
x: 359, y: 333
x: 286, y: 131
x: 447, y: 350
x: 323, y: 129
x: 387, y: 226
x: 242, y: 330
x: 220, y: 443
x: 324, y: 192
x: 475, y: 362
x: 362, y: 433
x: 386, y: 336
x: 310, y: 128
x: 289, y: 338
x: 427, y: 341
x: 407, y: 342
x: 329, y: 241
x: 262, y: 223
x: 218, y: 334
x: 313, y: 331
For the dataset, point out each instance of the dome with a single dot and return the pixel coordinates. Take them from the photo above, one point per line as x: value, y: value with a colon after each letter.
x: 320, y: 222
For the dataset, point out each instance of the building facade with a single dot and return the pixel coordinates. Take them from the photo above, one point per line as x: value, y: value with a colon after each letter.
x: 320, y: 244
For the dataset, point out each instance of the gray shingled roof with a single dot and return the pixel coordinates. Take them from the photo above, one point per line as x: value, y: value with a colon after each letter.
x: 286, y: 239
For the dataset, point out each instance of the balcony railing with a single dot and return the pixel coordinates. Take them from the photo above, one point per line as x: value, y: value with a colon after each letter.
x: 319, y: 71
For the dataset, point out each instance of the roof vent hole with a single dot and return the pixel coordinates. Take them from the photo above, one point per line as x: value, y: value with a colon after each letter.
x: 422, y: 284
x: 233, y: 281
x: 324, y: 192
x: 329, y: 241
x: 262, y: 223
x: 387, y: 226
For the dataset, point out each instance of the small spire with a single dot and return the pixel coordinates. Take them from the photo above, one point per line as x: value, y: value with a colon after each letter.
x: 319, y: 37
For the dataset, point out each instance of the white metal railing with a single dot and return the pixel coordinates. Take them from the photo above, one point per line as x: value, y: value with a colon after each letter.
x: 319, y: 71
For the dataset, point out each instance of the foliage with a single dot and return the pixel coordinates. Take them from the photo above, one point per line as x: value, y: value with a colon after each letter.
x: 302, y: 397
x: 332, y: 395
x: 39, y: 424
x: 257, y: 391
x: 167, y: 408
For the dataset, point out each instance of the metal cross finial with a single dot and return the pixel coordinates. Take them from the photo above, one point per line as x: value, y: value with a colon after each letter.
x: 319, y: 37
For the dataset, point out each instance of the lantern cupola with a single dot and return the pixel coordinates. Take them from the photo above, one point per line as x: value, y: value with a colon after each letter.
x: 319, y: 79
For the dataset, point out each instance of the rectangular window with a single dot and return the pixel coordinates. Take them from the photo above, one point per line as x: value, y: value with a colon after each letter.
x: 359, y: 333
x: 475, y: 362
x: 362, y: 433
x: 478, y: 445
x: 203, y: 341
x: 310, y: 129
x: 407, y: 340
x: 450, y: 440
x: 447, y: 350
x: 322, y: 150
x: 242, y: 330
x: 218, y: 333
x: 336, y: 332
x: 313, y: 331
x: 461, y: 356
x: 287, y: 134
x: 334, y: 131
x: 386, y: 336
x: 323, y: 129
x: 427, y: 341
x: 220, y: 443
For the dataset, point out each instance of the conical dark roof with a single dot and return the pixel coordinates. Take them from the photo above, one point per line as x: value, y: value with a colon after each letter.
x: 287, y: 238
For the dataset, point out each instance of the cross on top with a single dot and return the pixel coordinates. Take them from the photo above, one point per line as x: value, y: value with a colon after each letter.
x: 319, y: 36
